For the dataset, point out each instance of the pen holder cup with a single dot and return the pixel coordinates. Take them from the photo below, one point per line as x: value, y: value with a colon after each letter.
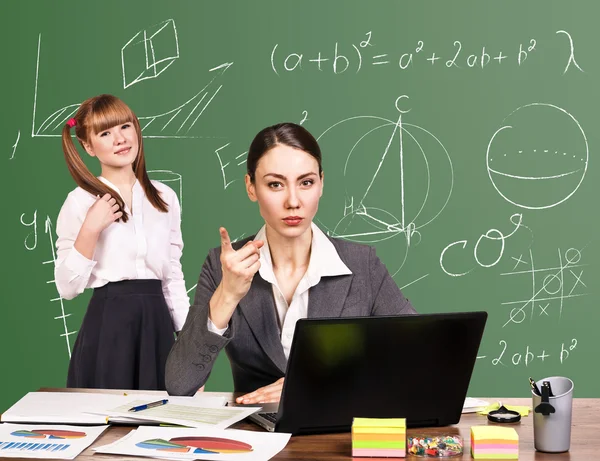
x: 552, y: 432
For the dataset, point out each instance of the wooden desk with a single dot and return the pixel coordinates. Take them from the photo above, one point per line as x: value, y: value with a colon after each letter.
x: 585, y: 439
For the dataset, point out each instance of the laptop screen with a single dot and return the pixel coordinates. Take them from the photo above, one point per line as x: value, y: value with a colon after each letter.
x: 416, y: 367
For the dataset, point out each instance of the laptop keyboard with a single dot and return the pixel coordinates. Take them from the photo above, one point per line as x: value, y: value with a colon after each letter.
x: 270, y: 417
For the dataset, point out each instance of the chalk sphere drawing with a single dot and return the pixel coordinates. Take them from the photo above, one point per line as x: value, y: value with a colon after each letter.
x: 538, y: 158
x: 397, y: 176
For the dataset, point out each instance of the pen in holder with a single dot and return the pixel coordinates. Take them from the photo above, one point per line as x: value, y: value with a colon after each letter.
x: 552, y: 414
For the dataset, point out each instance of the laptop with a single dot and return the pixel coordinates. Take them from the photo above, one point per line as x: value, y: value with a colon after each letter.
x: 416, y: 367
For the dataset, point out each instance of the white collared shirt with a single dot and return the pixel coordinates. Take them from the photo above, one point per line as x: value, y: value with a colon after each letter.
x: 324, y: 262
x: 148, y: 246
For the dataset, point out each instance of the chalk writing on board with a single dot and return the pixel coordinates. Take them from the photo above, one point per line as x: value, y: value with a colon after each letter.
x: 490, y: 236
x: 397, y: 178
x: 572, y: 54
x: 33, y: 234
x: 526, y: 355
x: 238, y: 161
x: 63, y: 315
x: 340, y: 57
x: 241, y: 156
x: 539, y: 157
x: 304, y: 117
x: 171, y: 179
x: 548, y: 285
x: 62, y: 114
x: 186, y: 115
x: 171, y: 124
x: 382, y: 168
x: 15, y: 145
x: 149, y: 53
x: 414, y: 281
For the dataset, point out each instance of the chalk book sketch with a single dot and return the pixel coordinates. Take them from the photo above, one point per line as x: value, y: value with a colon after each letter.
x: 538, y: 158
x: 147, y: 55
x: 398, y: 178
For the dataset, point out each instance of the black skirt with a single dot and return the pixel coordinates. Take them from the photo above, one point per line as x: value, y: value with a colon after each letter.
x: 124, y: 339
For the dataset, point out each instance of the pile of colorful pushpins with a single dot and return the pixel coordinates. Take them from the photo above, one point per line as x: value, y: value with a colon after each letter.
x: 435, y: 446
x: 494, y: 442
x: 379, y: 437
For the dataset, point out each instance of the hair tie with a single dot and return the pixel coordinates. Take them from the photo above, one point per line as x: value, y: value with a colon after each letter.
x: 71, y: 122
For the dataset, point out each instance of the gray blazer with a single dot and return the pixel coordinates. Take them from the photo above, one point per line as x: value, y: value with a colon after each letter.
x: 252, y: 340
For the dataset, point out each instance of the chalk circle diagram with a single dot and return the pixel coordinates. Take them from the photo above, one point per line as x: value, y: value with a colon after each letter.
x: 397, y: 176
x: 539, y: 156
x: 206, y: 445
x: 49, y: 434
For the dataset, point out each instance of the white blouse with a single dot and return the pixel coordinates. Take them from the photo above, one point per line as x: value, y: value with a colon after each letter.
x: 148, y: 246
x: 324, y: 262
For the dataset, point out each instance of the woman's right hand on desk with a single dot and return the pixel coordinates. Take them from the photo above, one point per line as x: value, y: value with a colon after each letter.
x: 239, y: 268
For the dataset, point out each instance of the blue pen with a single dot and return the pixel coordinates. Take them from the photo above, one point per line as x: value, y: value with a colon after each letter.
x: 158, y: 403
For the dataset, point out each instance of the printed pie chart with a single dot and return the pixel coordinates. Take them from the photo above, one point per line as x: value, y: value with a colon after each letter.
x: 539, y: 157
x: 49, y: 434
x: 214, y: 445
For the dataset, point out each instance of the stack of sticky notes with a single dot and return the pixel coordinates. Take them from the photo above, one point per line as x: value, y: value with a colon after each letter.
x: 494, y: 442
x: 379, y: 437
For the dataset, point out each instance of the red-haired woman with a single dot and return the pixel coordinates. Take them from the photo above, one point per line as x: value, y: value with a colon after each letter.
x: 120, y: 234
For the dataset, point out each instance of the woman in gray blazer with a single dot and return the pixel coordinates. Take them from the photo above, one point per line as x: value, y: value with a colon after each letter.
x: 251, y: 293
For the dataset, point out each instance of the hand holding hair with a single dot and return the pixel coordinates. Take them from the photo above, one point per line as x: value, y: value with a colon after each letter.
x: 102, y: 214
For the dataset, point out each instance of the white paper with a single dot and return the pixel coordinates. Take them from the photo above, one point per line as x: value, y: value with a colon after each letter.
x: 85, y: 408
x: 472, y: 405
x: 192, y: 413
x: 192, y: 443
x: 61, y: 407
x: 46, y: 441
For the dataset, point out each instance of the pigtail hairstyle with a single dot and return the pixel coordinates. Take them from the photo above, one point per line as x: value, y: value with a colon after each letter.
x: 93, y: 116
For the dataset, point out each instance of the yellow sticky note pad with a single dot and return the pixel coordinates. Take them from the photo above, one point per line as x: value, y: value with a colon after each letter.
x: 494, y: 442
x: 494, y: 432
x: 379, y: 437
x: 379, y: 422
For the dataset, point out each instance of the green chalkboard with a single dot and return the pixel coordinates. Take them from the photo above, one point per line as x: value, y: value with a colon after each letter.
x: 458, y: 139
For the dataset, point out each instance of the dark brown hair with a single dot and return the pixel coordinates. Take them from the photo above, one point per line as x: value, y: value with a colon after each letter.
x: 288, y: 134
x: 94, y: 116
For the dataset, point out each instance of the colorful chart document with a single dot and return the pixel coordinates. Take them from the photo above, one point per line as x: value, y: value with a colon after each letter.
x: 45, y: 441
x: 198, y: 443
